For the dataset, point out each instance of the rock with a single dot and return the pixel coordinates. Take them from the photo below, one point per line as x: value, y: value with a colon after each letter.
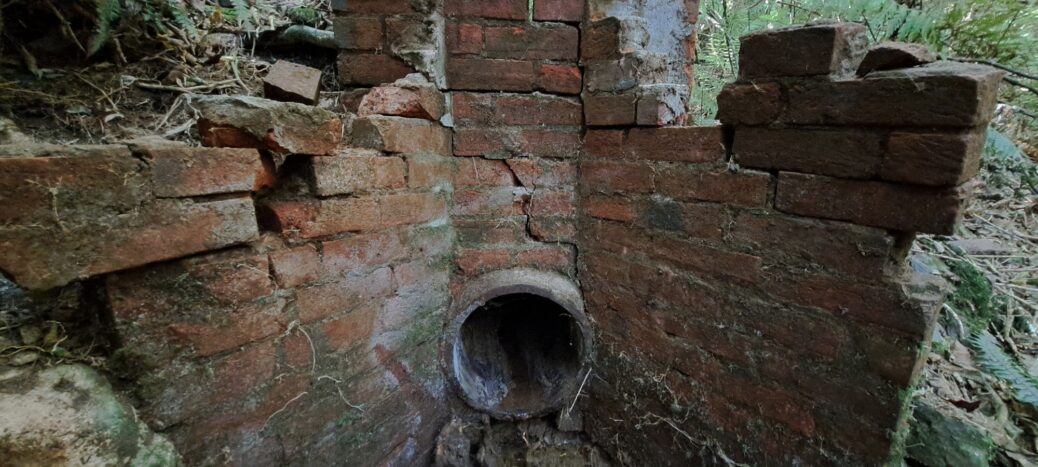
x: 69, y: 415
x: 980, y: 246
x: 939, y: 437
x: 893, y: 55
x: 408, y: 97
x: 279, y: 127
x: 291, y: 82
x: 11, y: 134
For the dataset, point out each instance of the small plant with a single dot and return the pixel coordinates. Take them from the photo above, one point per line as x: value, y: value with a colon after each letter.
x: 157, y: 14
x: 974, y: 296
x: 995, y: 360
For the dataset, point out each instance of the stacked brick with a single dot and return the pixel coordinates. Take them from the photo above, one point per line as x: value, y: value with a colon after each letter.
x: 517, y: 131
x: 761, y: 281
x: 382, y: 41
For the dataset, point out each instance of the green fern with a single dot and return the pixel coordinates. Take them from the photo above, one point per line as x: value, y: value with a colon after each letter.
x: 243, y: 12
x: 996, y: 361
x: 180, y: 16
x: 108, y: 13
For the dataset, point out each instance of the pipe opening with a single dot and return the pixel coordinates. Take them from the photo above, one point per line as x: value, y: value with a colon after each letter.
x: 518, y: 355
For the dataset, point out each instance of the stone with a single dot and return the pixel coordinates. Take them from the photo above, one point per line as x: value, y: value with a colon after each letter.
x: 828, y: 49
x: 980, y: 246
x: 280, y: 127
x: 291, y: 82
x: 940, y: 436
x: 70, y: 414
x: 892, y: 55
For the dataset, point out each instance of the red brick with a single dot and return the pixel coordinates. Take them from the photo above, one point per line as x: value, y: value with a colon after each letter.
x: 479, y: 74
x: 553, y: 229
x: 358, y: 33
x: 357, y: 171
x: 707, y: 260
x: 551, y: 143
x: 889, y: 205
x: 401, y: 135
x: 939, y: 159
x: 610, y: 110
x: 773, y: 403
x: 851, y: 154
x: 317, y: 218
x: 472, y: 262
x: 183, y: 172
x: 291, y: 82
x: 323, y: 301
x: 539, y: 173
x: 464, y: 38
x: 352, y: 330
x: 280, y: 127
x: 824, y: 49
x: 551, y: 203
x: 510, y: 109
x: 530, y: 142
x: 559, y: 79
x: 425, y: 102
x: 531, y: 42
x: 556, y: 257
x: 608, y: 176
x: 374, y: 7
x: 362, y: 252
x: 687, y: 144
x: 707, y: 221
x: 241, y: 373
x: 559, y: 10
x: 615, y: 209
x: 483, y: 172
x: 503, y: 201
x: 496, y: 231
x: 369, y: 69
x: 296, y: 266
x: 411, y: 208
x: 749, y: 104
x: 495, y: 9
x: 215, y: 337
x: 427, y: 171
x: 604, y: 143
x: 745, y: 188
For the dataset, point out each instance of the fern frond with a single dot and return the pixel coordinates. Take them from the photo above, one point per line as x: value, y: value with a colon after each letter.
x: 108, y: 13
x: 180, y: 16
x: 243, y: 12
x: 996, y: 361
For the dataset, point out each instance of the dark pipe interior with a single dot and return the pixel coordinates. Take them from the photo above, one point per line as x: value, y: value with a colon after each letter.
x: 518, y: 354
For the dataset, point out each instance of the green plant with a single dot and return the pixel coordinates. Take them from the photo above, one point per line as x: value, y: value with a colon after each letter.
x: 973, y: 296
x: 991, y: 356
x: 157, y: 14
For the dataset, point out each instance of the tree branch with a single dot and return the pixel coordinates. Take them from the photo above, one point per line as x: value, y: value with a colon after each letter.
x: 1000, y: 66
x: 1017, y: 83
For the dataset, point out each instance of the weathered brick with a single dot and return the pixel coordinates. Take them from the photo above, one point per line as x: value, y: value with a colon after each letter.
x: 357, y: 32
x: 941, y: 94
x: 571, y: 11
x: 361, y: 252
x: 498, y: 143
x: 515, y: 109
x: 604, y: 143
x: 610, y: 110
x: 357, y: 170
x: 539, y: 173
x: 464, y: 38
x: 323, y: 301
x: 352, y: 331
x: 894, y: 206
x: 401, y: 135
x: 625, y: 73
x: 480, y: 74
x: 279, y: 127
x: 296, y: 266
x: 559, y: 257
x: 310, y: 219
x: 841, y: 153
x: 609, y: 176
x: 373, y: 7
x: 428, y: 171
x: 613, y: 37
x: 498, y: 201
x: 745, y: 188
x: 551, y: 203
x: 411, y: 208
x: 894, y: 55
x: 558, y: 79
x: 370, y: 69
x: 553, y: 229
x: 483, y: 172
x: 940, y: 159
x: 182, y: 171
x: 615, y: 209
x: 706, y: 260
x: 687, y: 144
x: 425, y: 102
x: 497, y: 231
x: 749, y: 104
x: 290, y: 82
x: 472, y: 262
x: 531, y: 42
x: 824, y: 49
x: 495, y: 9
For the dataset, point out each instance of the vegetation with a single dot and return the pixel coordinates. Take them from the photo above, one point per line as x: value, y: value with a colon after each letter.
x: 1002, y: 32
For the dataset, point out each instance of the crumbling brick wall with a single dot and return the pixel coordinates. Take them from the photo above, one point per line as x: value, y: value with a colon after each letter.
x: 279, y: 297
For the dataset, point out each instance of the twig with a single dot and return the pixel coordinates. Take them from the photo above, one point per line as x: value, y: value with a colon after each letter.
x: 202, y: 87
x: 579, y: 390
x: 282, y: 409
x: 1000, y: 66
x: 1017, y: 83
x: 66, y: 26
x: 104, y: 95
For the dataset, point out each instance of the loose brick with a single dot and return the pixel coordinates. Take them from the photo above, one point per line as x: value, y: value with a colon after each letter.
x: 687, y: 144
x: 370, y: 69
x: 894, y: 55
x: 182, y: 172
x: 571, y: 11
x: 745, y: 188
x: 290, y: 82
x: 280, y: 127
x: 495, y: 9
x: 939, y: 159
x: 357, y: 171
x: 610, y: 110
x: 609, y: 176
x: 878, y: 204
x: 825, y: 49
x: 401, y: 135
x: 540, y: 42
x: 499, y: 143
x: 850, y: 154
x: 425, y: 102
x: 478, y: 74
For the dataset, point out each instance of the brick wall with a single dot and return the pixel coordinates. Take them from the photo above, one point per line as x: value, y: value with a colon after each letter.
x: 280, y: 299
x: 752, y: 274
